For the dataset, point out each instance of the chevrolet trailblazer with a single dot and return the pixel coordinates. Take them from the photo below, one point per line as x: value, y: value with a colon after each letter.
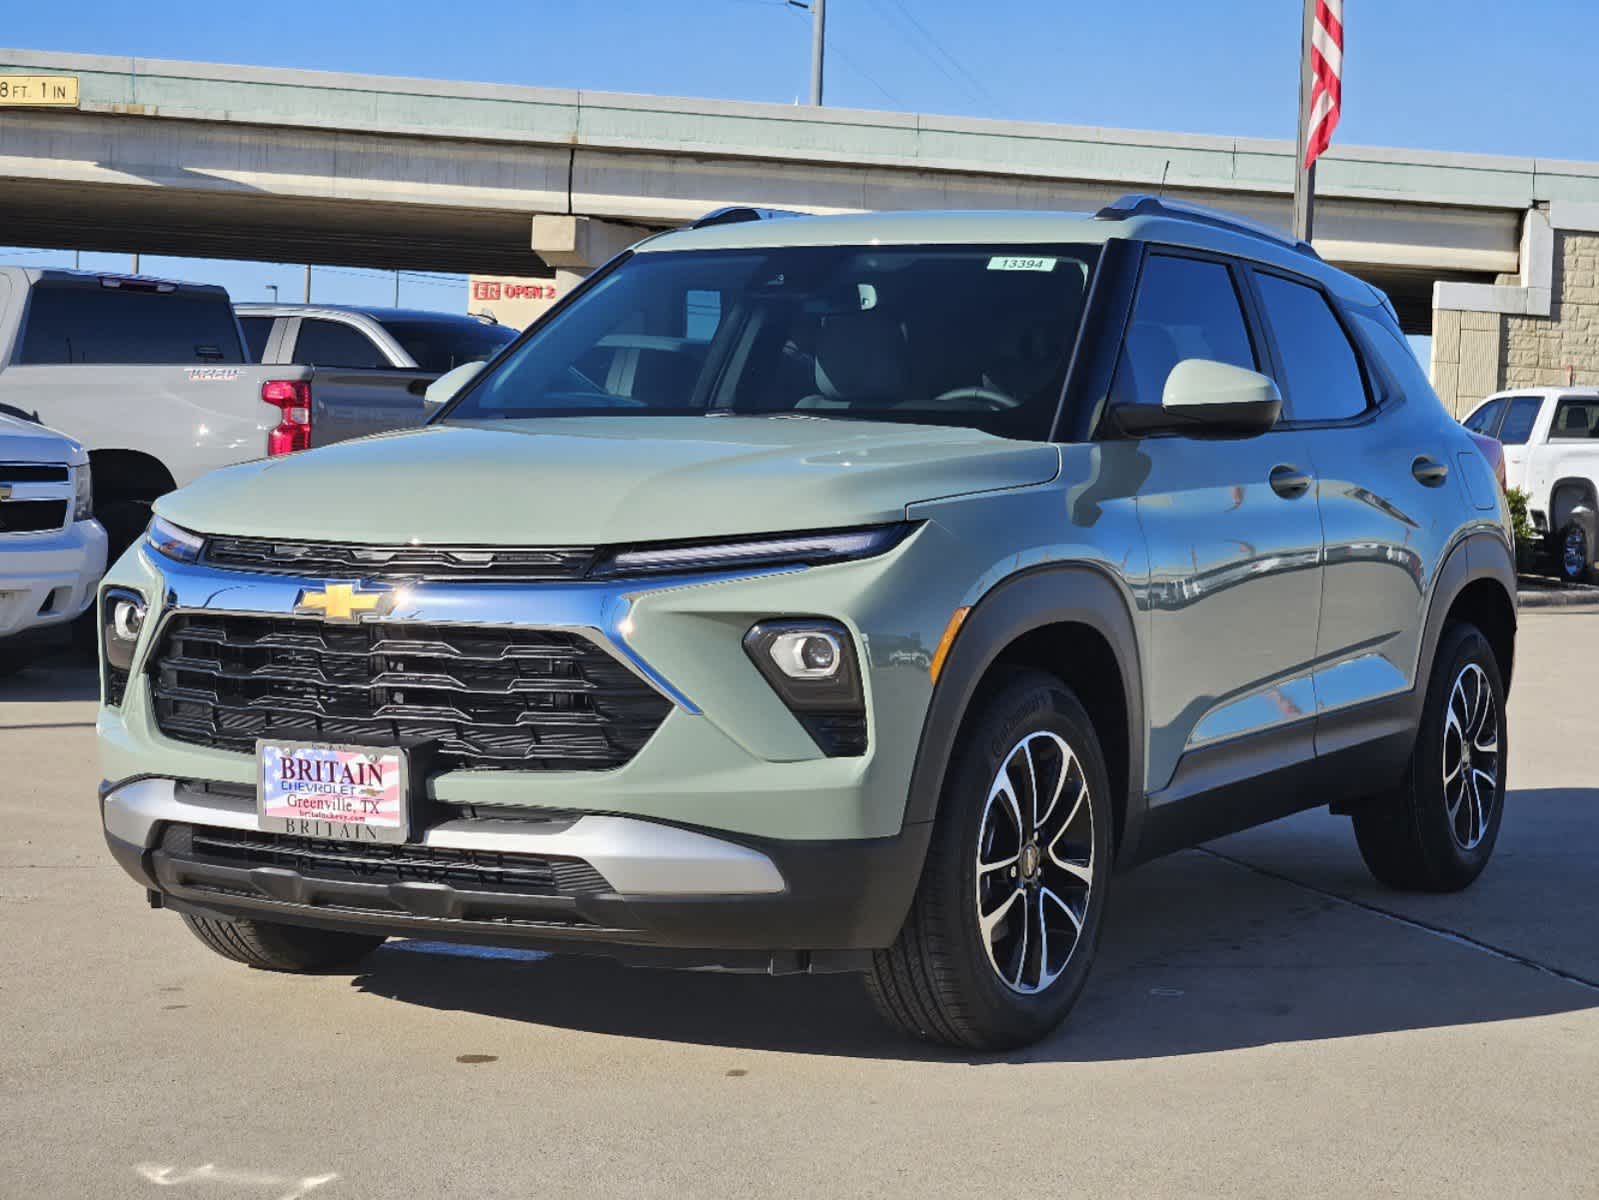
x: 819, y: 594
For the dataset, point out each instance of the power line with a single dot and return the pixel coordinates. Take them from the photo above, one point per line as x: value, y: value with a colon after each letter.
x: 970, y: 82
x: 850, y: 61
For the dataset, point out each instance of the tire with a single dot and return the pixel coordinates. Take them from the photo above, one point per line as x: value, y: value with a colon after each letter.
x: 1575, y: 549
x: 124, y: 522
x: 274, y: 947
x: 1412, y: 839
x: 945, y: 980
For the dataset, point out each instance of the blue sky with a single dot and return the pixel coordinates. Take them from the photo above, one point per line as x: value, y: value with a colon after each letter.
x: 1474, y: 75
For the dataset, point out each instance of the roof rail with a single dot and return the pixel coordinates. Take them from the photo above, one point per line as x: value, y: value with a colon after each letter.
x: 1141, y: 204
x: 737, y: 214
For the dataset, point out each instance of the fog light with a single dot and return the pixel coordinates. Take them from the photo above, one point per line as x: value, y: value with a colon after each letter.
x: 122, y: 618
x: 810, y: 663
x: 806, y: 654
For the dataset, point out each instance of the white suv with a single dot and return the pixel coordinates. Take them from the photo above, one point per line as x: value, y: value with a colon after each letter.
x: 52, y: 551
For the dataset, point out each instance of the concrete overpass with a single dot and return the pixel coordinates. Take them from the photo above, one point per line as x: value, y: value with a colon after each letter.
x: 247, y: 162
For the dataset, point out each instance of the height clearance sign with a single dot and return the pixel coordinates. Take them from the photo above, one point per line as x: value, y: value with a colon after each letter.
x: 38, y: 91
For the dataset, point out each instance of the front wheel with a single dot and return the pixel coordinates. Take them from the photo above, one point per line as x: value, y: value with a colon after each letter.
x: 1006, y: 920
x: 1437, y: 830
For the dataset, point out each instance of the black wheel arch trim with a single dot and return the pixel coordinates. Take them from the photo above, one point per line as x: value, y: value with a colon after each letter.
x: 1069, y: 593
x: 1479, y: 555
x: 1560, y: 514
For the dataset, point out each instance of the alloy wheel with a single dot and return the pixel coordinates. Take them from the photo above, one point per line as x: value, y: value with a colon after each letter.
x: 1035, y: 863
x: 1471, y: 756
x: 1574, y: 552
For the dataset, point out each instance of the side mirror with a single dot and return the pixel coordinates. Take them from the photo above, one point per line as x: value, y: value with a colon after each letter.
x: 1202, y: 396
x: 442, y: 389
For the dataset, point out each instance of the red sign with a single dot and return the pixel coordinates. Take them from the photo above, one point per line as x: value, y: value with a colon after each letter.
x: 483, y: 289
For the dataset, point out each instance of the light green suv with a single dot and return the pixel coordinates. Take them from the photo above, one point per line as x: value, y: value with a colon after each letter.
x: 830, y: 594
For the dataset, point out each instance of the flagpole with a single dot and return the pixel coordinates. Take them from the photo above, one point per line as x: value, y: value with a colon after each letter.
x: 1304, y: 177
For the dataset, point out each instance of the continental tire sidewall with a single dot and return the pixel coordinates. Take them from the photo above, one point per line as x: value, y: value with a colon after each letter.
x: 1032, y: 703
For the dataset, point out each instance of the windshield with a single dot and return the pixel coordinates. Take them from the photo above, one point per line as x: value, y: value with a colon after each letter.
x: 947, y: 335
x: 442, y: 345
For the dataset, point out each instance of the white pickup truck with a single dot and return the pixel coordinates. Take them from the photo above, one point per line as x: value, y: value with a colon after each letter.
x: 52, y: 551
x: 1551, y: 442
x: 154, y: 379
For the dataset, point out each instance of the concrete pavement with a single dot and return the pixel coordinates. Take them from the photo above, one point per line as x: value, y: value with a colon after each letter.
x: 1264, y: 1021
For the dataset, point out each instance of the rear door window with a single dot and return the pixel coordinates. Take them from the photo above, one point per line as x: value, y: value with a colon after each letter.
x: 442, y: 345
x: 1520, y: 417
x: 323, y: 343
x: 88, y: 322
x: 1186, y: 308
x: 1322, y: 379
x: 1575, y: 419
x: 1486, y: 419
x: 257, y: 332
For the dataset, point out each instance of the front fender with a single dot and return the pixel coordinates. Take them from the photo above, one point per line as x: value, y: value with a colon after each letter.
x: 1018, y: 605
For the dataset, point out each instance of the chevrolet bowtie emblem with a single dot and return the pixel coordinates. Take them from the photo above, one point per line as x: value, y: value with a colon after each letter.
x: 343, y: 602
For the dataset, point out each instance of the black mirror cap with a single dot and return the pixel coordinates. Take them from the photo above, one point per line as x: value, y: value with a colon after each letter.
x: 1246, y: 418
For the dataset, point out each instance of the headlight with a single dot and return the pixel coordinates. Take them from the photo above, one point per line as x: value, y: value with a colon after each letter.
x: 811, y: 665
x: 83, y: 493
x: 168, y: 539
x: 122, y: 614
x: 800, y: 549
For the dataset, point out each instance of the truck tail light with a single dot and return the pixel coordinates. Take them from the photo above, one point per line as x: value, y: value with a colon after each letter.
x: 292, y: 398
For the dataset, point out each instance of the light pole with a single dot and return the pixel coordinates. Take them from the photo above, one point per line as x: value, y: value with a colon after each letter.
x: 273, y: 288
x: 307, y: 283
x: 818, y: 11
x: 818, y: 48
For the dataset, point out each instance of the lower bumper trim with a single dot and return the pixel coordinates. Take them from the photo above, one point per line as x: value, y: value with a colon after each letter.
x: 636, y: 857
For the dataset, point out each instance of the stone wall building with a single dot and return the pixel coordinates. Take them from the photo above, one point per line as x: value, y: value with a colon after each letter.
x: 1537, y: 328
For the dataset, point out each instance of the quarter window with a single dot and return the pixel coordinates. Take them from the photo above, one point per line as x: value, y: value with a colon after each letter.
x: 1186, y: 308
x: 1519, y: 420
x: 1321, y: 375
x: 334, y: 344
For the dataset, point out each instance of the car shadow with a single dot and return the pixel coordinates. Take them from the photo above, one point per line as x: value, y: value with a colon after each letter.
x: 55, y: 677
x: 1199, y: 954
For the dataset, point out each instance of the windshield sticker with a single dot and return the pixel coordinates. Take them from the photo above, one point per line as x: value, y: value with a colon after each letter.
x: 1010, y: 263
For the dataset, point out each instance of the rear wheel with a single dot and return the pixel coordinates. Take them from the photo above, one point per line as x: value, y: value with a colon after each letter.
x: 276, y: 947
x: 1006, y: 919
x: 1438, y: 829
x: 1576, y: 551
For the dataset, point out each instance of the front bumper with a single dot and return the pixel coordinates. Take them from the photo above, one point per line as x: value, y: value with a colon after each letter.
x: 729, y: 830
x: 46, y: 579
x: 599, y: 883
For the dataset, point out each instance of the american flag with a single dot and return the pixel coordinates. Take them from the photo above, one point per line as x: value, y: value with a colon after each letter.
x: 1327, y: 69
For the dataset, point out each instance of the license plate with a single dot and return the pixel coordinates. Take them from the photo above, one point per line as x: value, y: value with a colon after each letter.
x: 353, y: 793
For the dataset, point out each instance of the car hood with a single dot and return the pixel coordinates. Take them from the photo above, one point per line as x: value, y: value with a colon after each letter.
x: 30, y: 442
x: 605, y: 480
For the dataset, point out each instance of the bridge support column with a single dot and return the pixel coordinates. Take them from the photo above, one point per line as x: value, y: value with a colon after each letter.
x: 574, y: 246
x: 1538, y: 328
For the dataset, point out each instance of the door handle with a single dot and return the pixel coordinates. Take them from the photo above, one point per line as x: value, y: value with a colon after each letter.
x: 1289, y: 482
x: 1429, y: 472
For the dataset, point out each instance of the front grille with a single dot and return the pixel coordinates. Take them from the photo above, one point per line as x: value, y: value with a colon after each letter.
x: 32, y: 516
x: 335, y: 560
x: 32, y: 473
x: 364, y: 862
x: 520, y: 699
